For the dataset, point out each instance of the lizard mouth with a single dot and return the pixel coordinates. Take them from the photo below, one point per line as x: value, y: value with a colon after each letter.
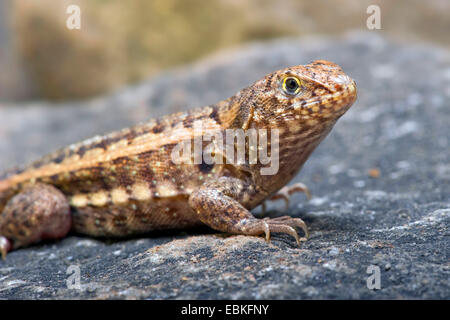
x: 331, y: 105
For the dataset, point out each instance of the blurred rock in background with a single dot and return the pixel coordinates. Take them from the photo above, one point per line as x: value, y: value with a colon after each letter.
x: 126, y: 41
x: 14, y: 83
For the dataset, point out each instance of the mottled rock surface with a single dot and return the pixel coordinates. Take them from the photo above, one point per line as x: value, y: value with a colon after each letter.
x: 380, y: 184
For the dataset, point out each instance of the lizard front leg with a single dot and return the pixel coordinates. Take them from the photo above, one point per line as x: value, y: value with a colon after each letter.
x: 220, y: 205
x: 37, y: 212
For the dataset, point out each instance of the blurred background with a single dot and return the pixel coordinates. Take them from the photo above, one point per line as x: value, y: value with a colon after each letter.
x: 123, y: 42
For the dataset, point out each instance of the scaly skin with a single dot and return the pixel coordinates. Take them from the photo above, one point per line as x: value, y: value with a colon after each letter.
x: 126, y: 183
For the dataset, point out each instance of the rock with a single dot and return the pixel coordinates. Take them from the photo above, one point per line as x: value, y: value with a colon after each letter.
x: 380, y: 181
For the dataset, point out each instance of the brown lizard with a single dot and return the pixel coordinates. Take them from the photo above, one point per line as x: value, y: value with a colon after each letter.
x: 127, y: 182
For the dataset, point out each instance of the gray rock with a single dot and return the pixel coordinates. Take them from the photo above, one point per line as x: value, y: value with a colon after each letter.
x: 395, y: 217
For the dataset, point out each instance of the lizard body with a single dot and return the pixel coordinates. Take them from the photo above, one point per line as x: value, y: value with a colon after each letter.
x: 127, y: 182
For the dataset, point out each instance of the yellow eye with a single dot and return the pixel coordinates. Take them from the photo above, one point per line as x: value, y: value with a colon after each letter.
x: 291, y: 85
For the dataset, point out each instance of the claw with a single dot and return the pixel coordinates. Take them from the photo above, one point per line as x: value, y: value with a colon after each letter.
x: 298, y: 187
x: 285, y: 224
x: 302, y: 225
x: 285, y: 192
x: 266, y: 231
x: 282, y: 194
x: 5, y: 246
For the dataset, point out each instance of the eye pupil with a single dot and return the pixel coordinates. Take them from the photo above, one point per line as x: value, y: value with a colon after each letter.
x: 291, y: 85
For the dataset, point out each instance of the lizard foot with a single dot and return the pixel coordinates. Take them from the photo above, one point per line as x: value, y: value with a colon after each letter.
x: 216, y: 206
x: 286, y: 224
x: 285, y: 193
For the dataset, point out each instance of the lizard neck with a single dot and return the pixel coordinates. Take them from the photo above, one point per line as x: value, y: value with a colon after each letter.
x: 296, y: 141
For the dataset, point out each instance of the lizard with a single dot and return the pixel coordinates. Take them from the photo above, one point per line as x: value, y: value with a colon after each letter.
x: 126, y: 182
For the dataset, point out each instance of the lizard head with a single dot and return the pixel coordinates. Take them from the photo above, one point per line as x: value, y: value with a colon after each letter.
x: 302, y: 103
x: 319, y: 92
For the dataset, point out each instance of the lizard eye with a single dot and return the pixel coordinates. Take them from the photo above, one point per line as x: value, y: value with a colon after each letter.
x: 291, y: 85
